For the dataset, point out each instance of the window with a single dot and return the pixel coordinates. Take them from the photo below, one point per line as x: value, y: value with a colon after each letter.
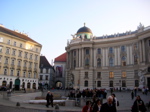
x: 41, y: 70
x: 29, y: 74
x: 36, y: 49
x: 19, y: 63
x: 74, y: 63
x: 98, y: 51
x: 87, y: 52
x: 47, y: 70
x: 1, y: 39
x: 86, y: 75
x: 12, y: 72
x: 123, y: 59
x: 123, y: 83
x: 20, y: 53
x: 13, y: 62
x: 98, y: 83
x: 36, y: 57
x: 25, y: 63
x: 41, y: 77
x: 7, y: 51
x: 136, y: 83
x: 110, y: 83
x: 98, y: 62
x: 86, y: 62
x: 111, y: 62
x: 14, y: 52
x: 85, y: 83
x: 26, y: 55
x: 46, y: 78
x: 30, y: 56
x: 14, y: 43
x: 34, y: 74
x: 5, y: 71
x: 98, y: 74
x: 20, y: 45
x: 123, y: 48
x: 135, y: 59
x: 111, y: 74
x: 18, y: 73
x: 124, y: 74
x: 149, y: 42
x: 74, y: 53
x: 6, y: 61
x: 35, y: 65
x: 0, y: 49
x: 135, y: 46
x: 24, y: 74
x: 0, y: 59
x: 110, y: 50
x: 30, y: 64
x: 8, y: 42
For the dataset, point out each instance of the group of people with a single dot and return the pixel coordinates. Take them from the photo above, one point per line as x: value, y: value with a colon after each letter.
x: 111, y: 105
x: 49, y: 99
x: 97, y: 106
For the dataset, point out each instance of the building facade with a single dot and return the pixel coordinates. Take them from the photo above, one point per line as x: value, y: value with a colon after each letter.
x: 112, y: 61
x: 45, y: 73
x: 19, y: 60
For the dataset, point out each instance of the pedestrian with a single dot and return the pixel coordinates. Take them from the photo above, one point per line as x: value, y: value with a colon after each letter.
x: 51, y: 98
x: 138, y: 105
x: 87, y: 107
x: 114, y: 99
x: 108, y: 106
x: 97, y: 106
x: 47, y: 99
x: 132, y: 95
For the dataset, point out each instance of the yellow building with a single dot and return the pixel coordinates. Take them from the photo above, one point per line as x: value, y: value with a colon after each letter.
x: 19, y: 60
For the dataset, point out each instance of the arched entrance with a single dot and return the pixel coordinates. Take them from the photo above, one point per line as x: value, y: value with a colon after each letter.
x: 34, y: 86
x: 10, y: 84
x: 17, y: 84
x: 23, y: 85
x: 4, y: 83
x: 28, y: 85
x: 59, y: 84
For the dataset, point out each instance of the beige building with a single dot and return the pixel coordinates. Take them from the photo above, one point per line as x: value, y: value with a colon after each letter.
x: 19, y: 60
x: 118, y: 61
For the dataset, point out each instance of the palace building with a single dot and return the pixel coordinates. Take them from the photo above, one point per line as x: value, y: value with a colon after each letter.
x: 120, y: 60
x: 19, y: 60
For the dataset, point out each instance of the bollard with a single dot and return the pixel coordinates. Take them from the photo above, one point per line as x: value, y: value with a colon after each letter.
x: 57, y: 106
x: 17, y: 104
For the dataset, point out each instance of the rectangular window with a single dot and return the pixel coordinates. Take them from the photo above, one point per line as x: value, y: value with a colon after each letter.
x: 7, y: 51
x: 14, y: 43
x: 86, y: 75
x: 87, y: 52
x: 41, y: 77
x: 24, y: 74
x: 0, y: 49
x: 36, y: 57
x: 36, y: 49
x: 20, y: 53
x: 18, y: 73
x: 0, y: 59
x: 30, y: 56
x: 85, y: 83
x: 19, y: 63
x: 123, y: 83
x: 98, y: 74
x: 41, y: 70
x: 111, y: 74
x: 6, y: 61
x: 136, y: 83
x: 46, y: 70
x: 12, y: 62
x: 20, y: 45
x: 25, y: 63
x: 5, y: 71
x: 74, y: 53
x: 1, y: 39
x: 98, y: 83
x: 11, y: 72
x: 8, y: 42
x: 14, y: 52
x: 124, y: 74
x: 46, y: 78
x: 110, y: 83
x: 34, y: 75
x: 29, y: 74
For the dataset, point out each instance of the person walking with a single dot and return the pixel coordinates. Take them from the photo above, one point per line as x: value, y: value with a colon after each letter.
x: 108, y: 106
x: 47, y: 99
x: 97, y: 106
x: 51, y: 98
x: 132, y: 95
x: 114, y: 99
x: 138, y: 105
x: 87, y: 107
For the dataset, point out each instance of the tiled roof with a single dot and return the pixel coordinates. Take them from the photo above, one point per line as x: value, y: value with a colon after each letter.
x: 16, y: 34
x: 44, y: 62
x: 61, y: 58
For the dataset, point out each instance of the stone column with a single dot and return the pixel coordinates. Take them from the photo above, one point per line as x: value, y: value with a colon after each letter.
x: 79, y: 57
x: 128, y: 55
x: 115, y: 56
x: 94, y: 57
x: 143, y: 46
x: 103, y: 58
x: 106, y: 52
x: 140, y: 49
x: 91, y: 57
x: 119, y: 59
x: 131, y: 55
x: 82, y: 57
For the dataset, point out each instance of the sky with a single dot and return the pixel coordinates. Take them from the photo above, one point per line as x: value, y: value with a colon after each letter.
x: 51, y: 22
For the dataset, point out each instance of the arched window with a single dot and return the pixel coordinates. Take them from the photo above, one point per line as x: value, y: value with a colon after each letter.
x: 111, y: 61
x: 123, y: 48
x: 86, y: 62
x: 135, y: 59
x: 98, y: 62
x: 110, y: 50
x: 28, y: 85
x: 98, y: 51
x: 86, y: 83
x: 123, y: 59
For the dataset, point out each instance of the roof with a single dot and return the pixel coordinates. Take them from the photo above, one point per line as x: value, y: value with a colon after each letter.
x: 61, y: 58
x: 44, y: 62
x: 84, y: 29
x: 16, y: 34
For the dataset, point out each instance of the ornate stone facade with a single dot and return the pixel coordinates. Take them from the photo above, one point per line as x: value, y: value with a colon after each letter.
x: 111, y: 61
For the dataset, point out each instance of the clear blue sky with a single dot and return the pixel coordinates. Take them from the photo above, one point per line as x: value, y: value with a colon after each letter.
x: 51, y: 22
